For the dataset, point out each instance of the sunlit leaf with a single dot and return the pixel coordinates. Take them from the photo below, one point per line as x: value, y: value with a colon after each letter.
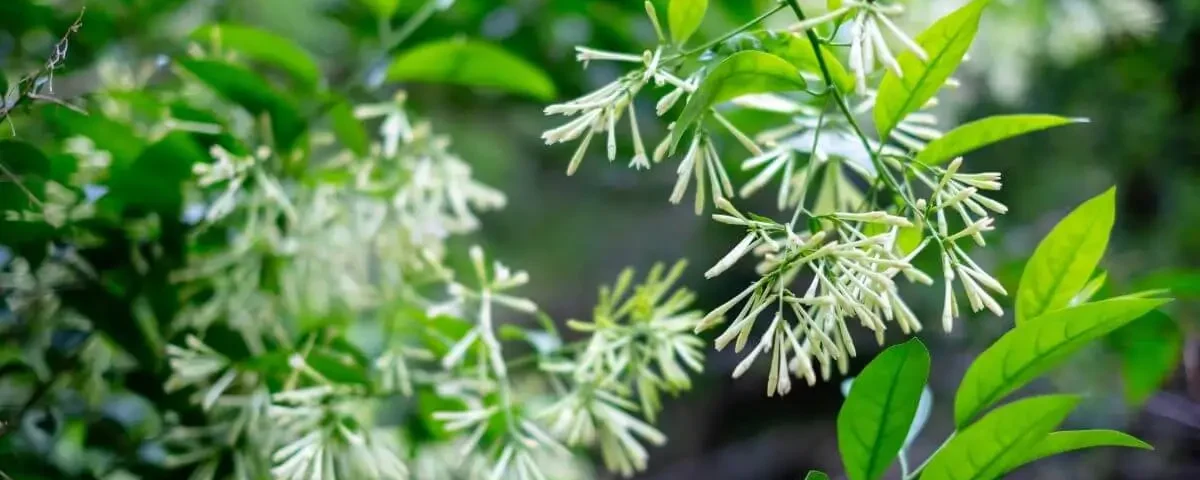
x: 1150, y: 349
x: 252, y: 93
x: 1036, y: 347
x: 981, y: 133
x: 1073, y: 440
x: 987, y: 448
x: 946, y: 41
x: 1064, y: 260
x: 875, y: 420
x: 265, y: 47
x: 740, y: 74
x: 684, y: 17
x: 472, y: 63
x: 796, y: 49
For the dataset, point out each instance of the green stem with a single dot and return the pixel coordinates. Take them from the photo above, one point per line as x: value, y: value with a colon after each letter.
x: 881, y: 169
x: 730, y: 34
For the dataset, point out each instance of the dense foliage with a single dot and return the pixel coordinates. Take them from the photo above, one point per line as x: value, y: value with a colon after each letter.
x: 228, y: 261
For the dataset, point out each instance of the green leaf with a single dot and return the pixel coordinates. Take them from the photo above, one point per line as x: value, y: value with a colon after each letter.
x: 117, y: 138
x: 987, y: 131
x: 1072, y: 440
x: 155, y: 180
x: 879, y: 410
x: 946, y: 41
x: 1064, y: 261
x: 740, y: 74
x: 796, y: 48
x: 684, y: 17
x: 348, y: 129
x: 815, y: 475
x: 1034, y: 348
x: 31, y: 168
x: 1150, y: 349
x: 471, y: 63
x: 383, y: 9
x: 1181, y: 283
x: 263, y: 46
x: 987, y: 448
x: 253, y: 93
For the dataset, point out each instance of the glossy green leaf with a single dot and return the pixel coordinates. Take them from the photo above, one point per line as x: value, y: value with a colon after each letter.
x: 1073, y: 440
x: 1036, y: 347
x: 987, y: 448
x: 1064, y: 260
x: 815, y: 475
x: 253, y: 93
x: 879, y: 410
x: 1150, y: 349
x: 945, y: 42
x: 684, y: 17
x: 265, y: 47
x: 472, y: 63
x: 348, y: 129
x: 796, y: 48
x: 740, y: 74
x: 981, y: 133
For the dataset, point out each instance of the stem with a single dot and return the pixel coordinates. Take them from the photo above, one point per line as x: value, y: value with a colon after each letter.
x: 881, y: 169
x: 812, y: 158
x: 917, y: 471
x: 730, y: 34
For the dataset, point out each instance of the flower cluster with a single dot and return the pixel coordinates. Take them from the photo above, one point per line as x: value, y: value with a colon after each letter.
x: 871, y: 207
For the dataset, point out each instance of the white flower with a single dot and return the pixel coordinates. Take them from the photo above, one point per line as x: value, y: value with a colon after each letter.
x: 867, y: 44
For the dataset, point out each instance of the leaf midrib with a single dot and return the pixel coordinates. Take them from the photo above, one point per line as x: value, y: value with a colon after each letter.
x: 899, y: 114
x: 993, y: 395
x: 1058, y: 279
x: 1023, y: 435
x: 891, y: 393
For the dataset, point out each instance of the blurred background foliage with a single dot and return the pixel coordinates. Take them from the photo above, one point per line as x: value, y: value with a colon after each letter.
x: 1131, y: 66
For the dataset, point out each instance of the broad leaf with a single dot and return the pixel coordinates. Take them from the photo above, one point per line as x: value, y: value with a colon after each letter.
x: 247, y: 89
x: 1034, y: 348
x: 986, y: 449
x: 875, y: 420
x: 946, y: 41
x: 1064, y: 260
x: 796, y: 48
x: 981, y: 133
x: 815, y: 475
x: 265, y: 47
x: 1150, y: 349
x: 740, y: 74
x: 684, y: 17
x: 472, y: 63
x: 1072, y: 440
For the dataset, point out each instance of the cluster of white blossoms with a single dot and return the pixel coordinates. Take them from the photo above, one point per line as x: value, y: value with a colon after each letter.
x: 868, y: 47
x: 871, y: 209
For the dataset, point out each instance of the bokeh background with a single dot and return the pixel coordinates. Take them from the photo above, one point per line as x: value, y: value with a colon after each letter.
x: 1131, y: 66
